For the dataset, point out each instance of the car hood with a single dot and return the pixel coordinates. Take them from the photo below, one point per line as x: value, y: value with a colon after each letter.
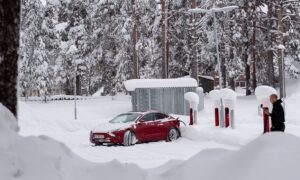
x: 110, y: 127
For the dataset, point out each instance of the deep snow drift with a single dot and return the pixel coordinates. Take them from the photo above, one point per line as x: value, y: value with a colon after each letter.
x: 36, y: 158
x: 273, y: 156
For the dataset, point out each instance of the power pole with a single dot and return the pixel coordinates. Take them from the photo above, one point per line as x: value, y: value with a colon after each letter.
x: 213, y: 12
x: 9, y: 45
x: 75, y: 92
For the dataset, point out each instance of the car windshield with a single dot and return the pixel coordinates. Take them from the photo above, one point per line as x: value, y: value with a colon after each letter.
x: 125, y: 118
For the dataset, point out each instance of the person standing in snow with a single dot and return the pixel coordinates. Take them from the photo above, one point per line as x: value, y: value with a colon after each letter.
x: 277, y: 114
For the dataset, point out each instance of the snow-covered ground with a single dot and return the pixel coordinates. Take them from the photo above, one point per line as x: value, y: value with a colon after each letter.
x: 273, y: 156
x: 209, y: 153
x: 56, y: 119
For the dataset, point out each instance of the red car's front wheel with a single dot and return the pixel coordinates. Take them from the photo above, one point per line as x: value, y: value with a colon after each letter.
x: 129, y: 138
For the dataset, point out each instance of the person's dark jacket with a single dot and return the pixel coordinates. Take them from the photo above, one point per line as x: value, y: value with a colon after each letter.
x: 277, y: 116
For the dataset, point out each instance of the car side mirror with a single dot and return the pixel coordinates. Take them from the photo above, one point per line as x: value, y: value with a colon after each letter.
x: 141, y: 121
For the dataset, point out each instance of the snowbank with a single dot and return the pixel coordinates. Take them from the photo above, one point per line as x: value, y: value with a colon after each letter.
x: 8, y: 119
x: 273, y: 156
x: 35, y: 158
x: 292, y: 108
x: 132, y: 84
x: 99, y: 92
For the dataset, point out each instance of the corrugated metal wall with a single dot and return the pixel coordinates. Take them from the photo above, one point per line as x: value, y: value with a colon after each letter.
x: 167, y: 100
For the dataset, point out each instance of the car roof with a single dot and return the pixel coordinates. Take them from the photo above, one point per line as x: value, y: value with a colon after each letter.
x: 147, y: 112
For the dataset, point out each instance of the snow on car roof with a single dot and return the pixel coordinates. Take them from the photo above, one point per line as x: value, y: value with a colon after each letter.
x: 133, y: 84
x: 146, y: 112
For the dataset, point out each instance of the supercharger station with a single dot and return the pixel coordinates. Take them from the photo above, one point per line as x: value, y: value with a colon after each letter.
x: 262, y: 94
x: 224, y: 104
x: 193, y: 100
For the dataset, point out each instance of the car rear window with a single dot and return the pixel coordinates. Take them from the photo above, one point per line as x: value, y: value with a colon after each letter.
x: 149, y: 117
x: 160, y: 116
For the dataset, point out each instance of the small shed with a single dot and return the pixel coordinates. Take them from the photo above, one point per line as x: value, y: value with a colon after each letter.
x: 207, y: 83
x: 240, y: 81
x: 165, y: 95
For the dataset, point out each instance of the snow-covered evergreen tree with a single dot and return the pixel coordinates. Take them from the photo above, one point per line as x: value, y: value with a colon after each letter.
x: 100, y: 44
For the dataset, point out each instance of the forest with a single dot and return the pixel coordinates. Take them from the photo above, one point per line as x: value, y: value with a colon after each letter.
x: 97, y: 44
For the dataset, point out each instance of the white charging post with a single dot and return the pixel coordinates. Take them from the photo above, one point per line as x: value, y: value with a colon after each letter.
x: 229, y: 100
x: 193, y: 100
x: 224, y: 103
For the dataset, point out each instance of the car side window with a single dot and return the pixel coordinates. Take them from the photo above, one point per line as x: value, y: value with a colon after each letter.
x: 160, y: 116
x: 148, y: 117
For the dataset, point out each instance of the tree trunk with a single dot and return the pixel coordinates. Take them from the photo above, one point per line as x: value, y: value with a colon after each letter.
x: 68, y: 87
x: 78, y: 85
x: 134, y: 42
x: 270, y: 53
x: 245, y: 56
x: 281, y: 53
x: 254, y: 79
x: 194, y: 62
x: 164, y: 43
x: 223, y: 69
x: 9, y: 45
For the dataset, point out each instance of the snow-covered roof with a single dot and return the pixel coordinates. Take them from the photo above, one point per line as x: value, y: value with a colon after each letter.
x: 133, y: 84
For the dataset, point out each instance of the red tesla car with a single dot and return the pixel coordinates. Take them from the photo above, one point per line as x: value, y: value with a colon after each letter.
x: 136, y: 127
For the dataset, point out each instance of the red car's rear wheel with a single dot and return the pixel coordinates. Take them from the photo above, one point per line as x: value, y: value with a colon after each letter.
x: 173, y: 134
